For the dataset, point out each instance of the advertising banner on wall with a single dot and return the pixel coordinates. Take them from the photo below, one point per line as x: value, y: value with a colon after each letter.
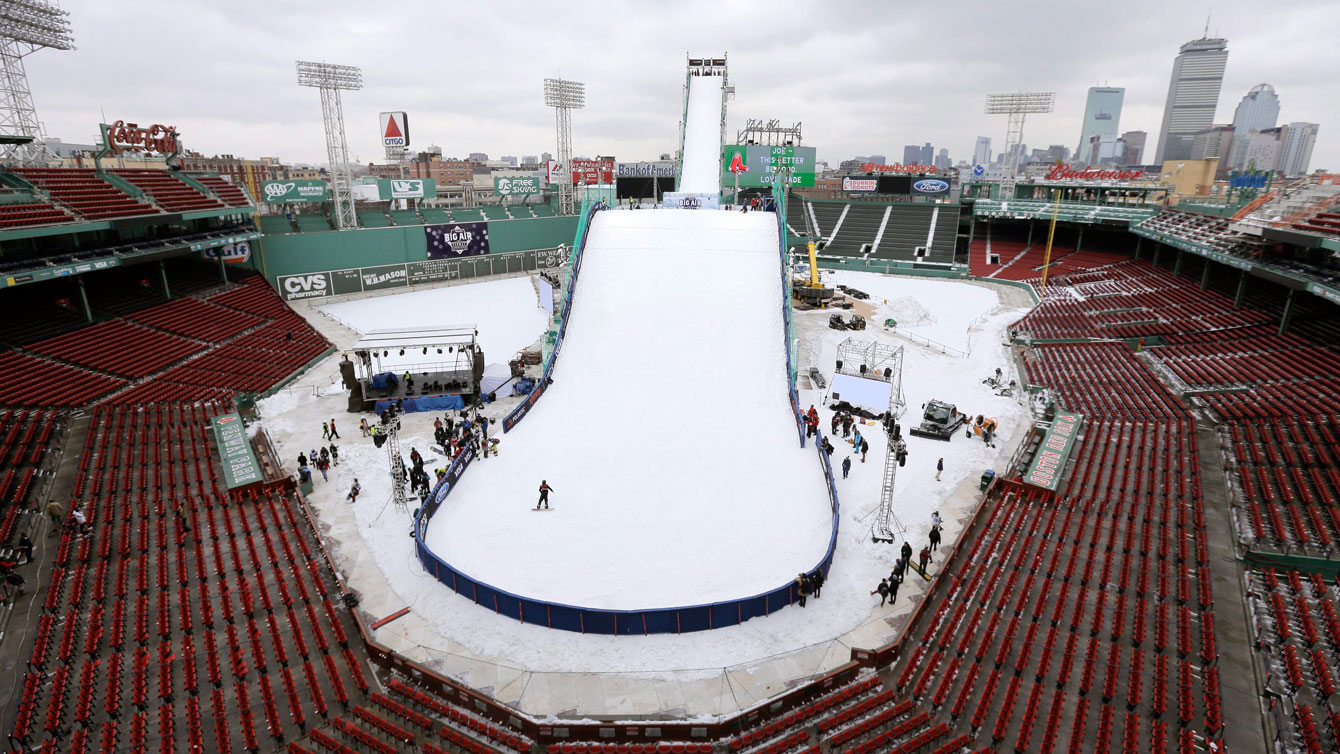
x: 587, y: 172
x: 388, y: 276
x: 395, y: 129
x: 515, y: 186
x: 240, y: 467
x: 646, y: 170
x: 281, y: 192
x: 457, y: 240
x: 406, y: 188
x: 1050, y: 461
x: 685, y: 200
x: 233, y: 253
x: 930, y: 187
x: 385, y: 276
x: 860, y: 184
x: 755, y: 165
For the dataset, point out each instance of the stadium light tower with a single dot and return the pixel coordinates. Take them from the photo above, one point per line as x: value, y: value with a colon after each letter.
x: 564, y: 96
x: 331, y: 79
x: 1016, y: 106
x: 26, y: 26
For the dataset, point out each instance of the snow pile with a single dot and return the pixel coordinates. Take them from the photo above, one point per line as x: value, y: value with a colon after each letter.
x: 667, y: 435
x: 908, y: 312
x: 951, y: 309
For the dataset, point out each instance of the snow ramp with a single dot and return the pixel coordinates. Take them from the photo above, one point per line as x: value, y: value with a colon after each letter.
x: 700, y: 171
x: 667, y: 436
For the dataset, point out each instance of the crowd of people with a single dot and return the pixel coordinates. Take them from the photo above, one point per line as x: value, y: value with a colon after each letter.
x: 888, y: 586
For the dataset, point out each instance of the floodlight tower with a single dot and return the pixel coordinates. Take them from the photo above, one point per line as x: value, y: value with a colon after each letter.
x: 26, y: 26
x: 1016, y: 106
x: 564, y: 96
x: 331, y: 79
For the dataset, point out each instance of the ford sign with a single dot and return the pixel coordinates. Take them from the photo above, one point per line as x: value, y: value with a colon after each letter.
x: 930, y: 186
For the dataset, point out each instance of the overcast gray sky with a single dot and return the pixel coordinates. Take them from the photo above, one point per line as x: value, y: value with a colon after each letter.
x: 864, y: 77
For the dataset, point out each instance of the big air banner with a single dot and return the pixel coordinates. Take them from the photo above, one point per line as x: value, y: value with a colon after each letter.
x: 457, y: 240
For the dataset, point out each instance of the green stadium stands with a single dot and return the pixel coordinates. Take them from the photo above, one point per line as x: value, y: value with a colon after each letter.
x: 312, y: 223
x: 373, y: 218
x: 467, y: 215
x: 405, y: 217
x: 852, y: 229
x: 495, y: 213
x: 434, y: 215
x: 542, y: 210
x: 520, y: 211
x: 275, y: 224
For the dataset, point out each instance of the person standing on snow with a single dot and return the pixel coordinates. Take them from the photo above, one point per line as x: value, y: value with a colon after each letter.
x: 817, y: 581
x: 334, y: 433
x: 935, y: 519
x: 302, y: 459
x: 545, y: 489
x: 883, y: 591
x: 353, y: 491
x: 846, y: 466
x: 939, y: 468
x: 907, y: 552
x: 325, y: 431
x: 802, y: 588
x: 334, y: 454
x: 893, y: 590
x: 865, y: 448
x: 935, y: 538
x: 924, y: 557
x: 836, y: 419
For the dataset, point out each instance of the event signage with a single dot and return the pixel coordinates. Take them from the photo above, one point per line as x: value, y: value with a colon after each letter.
x: 457, y: 240
x: 588, y: 172
x: 395, y: 129
x: 232, y: 253
x: 216, y: 242
x: 687, y: 200
x: 130, y: 137
x: 860, y: 184
x: 900, y: 168
x: 406, y: 188
x: 282, y: 192
x: 1062, y: 172
x: 1255, y: 179
x: 930, y: 187
x: 1060, y: 439
x: 239, y: 462
x: 383, y: 277
x: 646, y: 170
x: 47, y: 273
x: 755, y: 166
x: 515, y: 185
x: 309, y: 285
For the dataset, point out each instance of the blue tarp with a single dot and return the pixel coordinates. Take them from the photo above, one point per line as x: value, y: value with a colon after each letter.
x: 523, y: 386
x: 426, y: 403
x: 384, y: 381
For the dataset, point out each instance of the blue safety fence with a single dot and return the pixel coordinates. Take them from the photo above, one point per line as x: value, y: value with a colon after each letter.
x: 621, y: 622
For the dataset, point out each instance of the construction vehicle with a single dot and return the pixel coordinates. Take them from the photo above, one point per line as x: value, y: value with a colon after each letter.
x: 939, y: 421
x: 857, y: 322
x: 811, y: 292
x: 835, y: 321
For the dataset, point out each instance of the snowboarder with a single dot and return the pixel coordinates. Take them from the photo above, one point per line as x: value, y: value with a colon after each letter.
x: 353, y: 491
x: 935, y: 538
x: 883, y: 591
x: 817, y: 581
x: 334, y: 454
x: 846, y: 466
x: 865, y: 448
x: 325, y: 431
x: 545, y: 489
x: 939, y: 468
x: 802, y: 588
x: 907, y: 552
x: 924, y: 557
x: 334, y: 433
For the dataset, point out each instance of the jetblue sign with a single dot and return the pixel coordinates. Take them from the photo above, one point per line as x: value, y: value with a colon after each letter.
x: 930, y: 187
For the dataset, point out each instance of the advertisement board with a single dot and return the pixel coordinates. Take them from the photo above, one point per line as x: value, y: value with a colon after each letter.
x: 395, y: 129
x: 385, y: 276
x: 646, y: 170
x: 515, y: 186
x: 457, y: 240
x: 860, y: 184
x: 283, y: 192
x: 406, y: 188
x: 240, y: 467
x: 1049, y: 463
x: 898, y: 168
x: 685, y: 200
x: 360, y: 279
x: 755, y: 165
x: 930, y: 187
x: 233, y: 253
x: 1253, y: 179
x: 587, y: 172
x: 47, y: 273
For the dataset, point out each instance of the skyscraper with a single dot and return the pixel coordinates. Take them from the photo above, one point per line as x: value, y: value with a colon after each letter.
x: 928, y: 154
x: 942, y: 161
x: 1132, y: 149
x: 1193, y: 92
x: 911, y: 154
x: 1296, y: 152
x: 1102, y: 114
x: 981, y: 153
x: 1258, y: 110
x: 878, y: 159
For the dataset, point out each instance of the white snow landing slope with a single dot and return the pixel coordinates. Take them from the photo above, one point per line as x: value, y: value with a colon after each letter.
x: 667, y: 434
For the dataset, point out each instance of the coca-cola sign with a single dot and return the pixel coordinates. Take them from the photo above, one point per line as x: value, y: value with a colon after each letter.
x: 900, y: 168
x: 1063, y: 172
x: 130, y: 137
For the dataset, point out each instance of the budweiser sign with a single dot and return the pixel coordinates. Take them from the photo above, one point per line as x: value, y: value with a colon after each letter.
x: 1061, y: 172
x: 871, y: 167
x: 129, y: 137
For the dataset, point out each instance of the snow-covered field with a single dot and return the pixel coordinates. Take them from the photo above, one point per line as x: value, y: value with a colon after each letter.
x: 941, y: 310
x: 506, y: 312
x: 667, y: 435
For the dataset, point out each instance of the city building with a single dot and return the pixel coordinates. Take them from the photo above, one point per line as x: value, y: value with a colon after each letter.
x: 877, y: 159
x: 911, y: 154
x: 981, y: 152
x: 942, y: 161
x: 1258, y: 110
x: 510, y: 160
x: 445, y: 172
x: 1263, y: 149
x: 851, y: 166
x: 1102, y: 149
x: 1052, y: 154
x: 1193, y: 93
x: 1296, y: 151
x: 239, y: 171
x: 478, y: 157
x: 1215, y: 141
x: 388, y: 170
x: 545, y: 157
x: 1102, y: 113
x: 530, y: 159
x: 1132, y: 148
x: 1190, y: 177
x: 927, y: 155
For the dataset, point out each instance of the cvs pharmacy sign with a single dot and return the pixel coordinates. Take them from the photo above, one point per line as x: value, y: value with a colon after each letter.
x: 311, y: 285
